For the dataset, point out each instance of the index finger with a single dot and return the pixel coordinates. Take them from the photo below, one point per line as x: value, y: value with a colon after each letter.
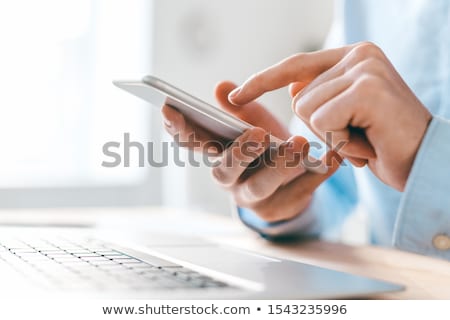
x: 302, y: 67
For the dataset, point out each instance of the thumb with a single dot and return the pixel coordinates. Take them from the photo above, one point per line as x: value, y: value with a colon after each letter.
x: 313, y: 180
x: 221, y: 92
x: 252, y: 112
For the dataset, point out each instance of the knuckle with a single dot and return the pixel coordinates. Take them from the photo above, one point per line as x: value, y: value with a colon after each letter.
x: 249, y: 148
x: 236, y: 153
x: 300, y: 107
x: 292, y: 64
x: 365, y: 50
x: 258, y: 134
x: 254, y: 190
x: 242, y: 154
x: 280, y: 172
x: 366, y: 83
x: 294, y: 59
x: 256, y: 77
x: 370, y: 66
x: 220, y: 176
x: 319, y: 122
x: 367, y: 66
x: 257, y: 80
x: 301, y: 110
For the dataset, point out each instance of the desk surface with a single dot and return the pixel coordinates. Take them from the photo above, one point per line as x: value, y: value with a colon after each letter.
x: 424, y: 277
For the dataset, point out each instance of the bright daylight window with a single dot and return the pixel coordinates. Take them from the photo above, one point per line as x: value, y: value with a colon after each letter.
x: 57, y: 104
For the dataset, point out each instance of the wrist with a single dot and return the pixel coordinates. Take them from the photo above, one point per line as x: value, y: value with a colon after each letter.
x: 420, y: 132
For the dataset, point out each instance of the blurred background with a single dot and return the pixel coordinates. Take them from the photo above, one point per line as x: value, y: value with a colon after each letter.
x: 58, y: 106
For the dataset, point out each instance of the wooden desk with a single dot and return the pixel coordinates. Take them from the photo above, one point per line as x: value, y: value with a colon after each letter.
x: 424, y: 277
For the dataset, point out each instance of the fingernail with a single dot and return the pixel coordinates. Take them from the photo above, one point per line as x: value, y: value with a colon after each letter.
x: 233, y: 94
x: 213, y: 150
x: 254, y: 148
x: 167, y: 123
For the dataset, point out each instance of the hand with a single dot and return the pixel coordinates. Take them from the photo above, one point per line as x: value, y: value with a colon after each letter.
x: 355, y: 93
x: 275, y: 190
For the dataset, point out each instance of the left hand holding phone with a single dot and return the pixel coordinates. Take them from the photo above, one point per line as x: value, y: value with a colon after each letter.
x: 274, y: 192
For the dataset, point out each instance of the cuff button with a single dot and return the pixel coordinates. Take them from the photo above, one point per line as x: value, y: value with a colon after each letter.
x: 441, y: 242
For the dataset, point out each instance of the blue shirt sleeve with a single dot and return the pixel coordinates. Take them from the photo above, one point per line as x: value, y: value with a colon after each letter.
x: 423, y: 218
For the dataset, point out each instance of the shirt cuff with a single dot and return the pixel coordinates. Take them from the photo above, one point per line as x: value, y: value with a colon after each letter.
x: 423, y: 218
x: 304, y: 225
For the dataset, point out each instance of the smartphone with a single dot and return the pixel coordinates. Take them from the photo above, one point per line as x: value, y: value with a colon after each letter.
x: 215, y: 120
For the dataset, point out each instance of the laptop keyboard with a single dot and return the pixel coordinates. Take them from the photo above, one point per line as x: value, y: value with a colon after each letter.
x: 91, y: 264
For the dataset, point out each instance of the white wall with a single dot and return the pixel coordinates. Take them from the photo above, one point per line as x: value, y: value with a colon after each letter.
x: 200, y: 42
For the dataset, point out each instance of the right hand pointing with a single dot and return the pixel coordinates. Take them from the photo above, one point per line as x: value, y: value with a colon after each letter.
x: 275, y: 190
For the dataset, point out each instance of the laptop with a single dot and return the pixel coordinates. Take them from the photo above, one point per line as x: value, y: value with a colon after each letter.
x: 90, y: 262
